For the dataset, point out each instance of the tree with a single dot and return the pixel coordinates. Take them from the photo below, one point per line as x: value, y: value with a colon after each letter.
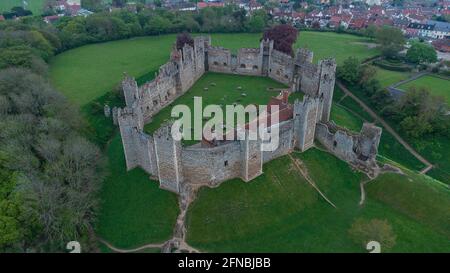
x: 17, y: 223
x: 420, y: 53
x: 50, y: 180
x: 349, y: 71
x: 20, y: 11
x: 184, y: 38
x: 391, y: 41
x: 92, y: 5
x: 315, y: 25
x: 370, y: 31
x: 256, y: 23
x: 419, y: 113
x: 157, y: 25
x: 283, y: 36
x: 363, y: 231
x: 119, y: 3
x: 366, y: 74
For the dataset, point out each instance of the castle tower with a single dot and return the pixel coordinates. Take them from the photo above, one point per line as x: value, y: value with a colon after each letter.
x: 265, y: 48
x: 252, y: 158
x: 168, y: 158
x: 368, y: 141
x: 326, y: 86
x: 130, y: 123
x: 200, y: 54
x: 306, y: 115
x: 130, y: 90
x: 303, y: 56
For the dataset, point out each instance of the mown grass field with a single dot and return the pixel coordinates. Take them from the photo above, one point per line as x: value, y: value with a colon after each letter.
x: 437, y: 86
x: 389, y: 77
x: 35, y: 6
x: 134, y: 211
x: 279, y: 211
x: 222, y: 90
x: 96, y: 69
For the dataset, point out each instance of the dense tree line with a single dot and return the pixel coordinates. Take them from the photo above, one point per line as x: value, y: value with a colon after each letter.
x: 76, y: 31
x: 50, y: 169
x: 49, y: 172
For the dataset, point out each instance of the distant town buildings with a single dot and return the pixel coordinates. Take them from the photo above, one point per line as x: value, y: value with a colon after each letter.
x: 414, y: 17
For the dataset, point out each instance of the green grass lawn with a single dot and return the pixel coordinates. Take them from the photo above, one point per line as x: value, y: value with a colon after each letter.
x: 437, y: 86
x: 389, y: 77
x: 224, y: 92
x: 35, y: 6
x: 86, y: 73
x: 344, y: 118
x: 280, y: 212
x: 134, y: 211
x: 339, y: 46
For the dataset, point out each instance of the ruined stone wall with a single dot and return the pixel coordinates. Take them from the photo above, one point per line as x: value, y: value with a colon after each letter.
x: 252, y: 158
x: 249, y: 61
x: 309, y: 79
x: 212, y: 165
x: 168, y: 158
x: 326, y: 86
x: 219, y: 60
x: 138, y: 146
x: 286, y: 141
x: 306, y: 115
x: 281, y: 67
x: 156, y: 94
x: 359, y: 149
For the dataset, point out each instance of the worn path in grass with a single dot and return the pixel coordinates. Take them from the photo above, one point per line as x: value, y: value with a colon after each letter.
x: 387, y: 127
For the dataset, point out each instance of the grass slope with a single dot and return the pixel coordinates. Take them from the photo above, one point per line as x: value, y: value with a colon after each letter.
x: 134, y: 211
x: 88, y: 72
x: 279, y: 211
x: 35, y: 6
x: 389, y: 77
x: 437, y: 86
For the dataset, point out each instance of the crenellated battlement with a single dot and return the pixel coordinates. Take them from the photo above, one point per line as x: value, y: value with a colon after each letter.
x: 303, y: 122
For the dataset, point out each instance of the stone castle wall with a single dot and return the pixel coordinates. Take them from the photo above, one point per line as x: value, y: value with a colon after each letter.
x: 175, y: 165
x: 360, y: 149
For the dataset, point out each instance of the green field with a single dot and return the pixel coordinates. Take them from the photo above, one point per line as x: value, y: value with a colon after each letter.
x: 344, y: 118
x: 389, y: 77
x: 437, y: 86
x: 34, y: 5
x: 96, y: 69
x: 339, y: 46
x: 225, y: 92
x: 280, y: 212
x: 134, y: 211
